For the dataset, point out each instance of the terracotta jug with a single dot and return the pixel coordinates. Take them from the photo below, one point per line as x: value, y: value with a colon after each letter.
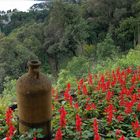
x: 34, y: 100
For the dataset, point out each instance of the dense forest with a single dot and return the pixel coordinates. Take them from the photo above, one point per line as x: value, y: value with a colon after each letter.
x: 65, y: 31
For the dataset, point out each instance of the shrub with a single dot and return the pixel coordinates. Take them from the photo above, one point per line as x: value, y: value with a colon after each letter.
x: 106, y: 48
x: 78, y: 67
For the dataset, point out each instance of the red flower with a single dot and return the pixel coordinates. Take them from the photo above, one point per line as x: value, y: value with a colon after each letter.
x: 113, y: 83
x: 128, y: 107
x: 122, y: 138
x: 129, y: 70
x: 68, y: 86
x: 78, y: 123
x: 85, y: 90
x: 88, y: 99
x: 58, y: 135
x: 8, y: 116
x: 102, y: 79
x: 109, y: 111
x: 11, y: 130
x: 8, y: 120
x: 8, y: 138
x: 78, y: 88
x: 135, y: 125
x: 95, y: 130
x: 134, y: 116
x: 90, y: 106
x: 93, y: 106
x: 68, y: 97
x: 81, y: 82
x: 138, y: 133
x: 133, y: 79
x: 95, y: 126
x: 108, y: 83
x: 136, y: 128
x: 109, y: 95
x: 120, y: 118
x: 62, y: 117
x: 118, y: 132
x: 138, y: 90
x: 134, y: 98
x: 118, y: 71
x: 76, y: 106
x: 97, y: 137
x: 121, y: 100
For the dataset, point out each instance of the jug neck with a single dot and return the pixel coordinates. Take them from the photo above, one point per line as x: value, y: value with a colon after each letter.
x: 34, y: 68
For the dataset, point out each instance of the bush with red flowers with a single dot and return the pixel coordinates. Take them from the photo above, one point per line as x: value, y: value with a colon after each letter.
x: 103, y: 106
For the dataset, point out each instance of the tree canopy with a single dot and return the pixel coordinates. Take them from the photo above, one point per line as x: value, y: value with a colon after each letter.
x: 56, y: 31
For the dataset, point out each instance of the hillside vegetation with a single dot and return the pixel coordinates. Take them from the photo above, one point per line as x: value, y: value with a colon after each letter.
x: 86, y: 42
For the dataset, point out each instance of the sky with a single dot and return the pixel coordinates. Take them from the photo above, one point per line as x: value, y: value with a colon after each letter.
x: 22, y: 5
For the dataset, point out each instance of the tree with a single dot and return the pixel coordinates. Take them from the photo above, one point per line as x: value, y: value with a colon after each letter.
x: 106, y: 48
x: 126, y: 33
x: 13, y: 58
x: 105, y: 15
x: 65, y: 31
x: 16, y: 19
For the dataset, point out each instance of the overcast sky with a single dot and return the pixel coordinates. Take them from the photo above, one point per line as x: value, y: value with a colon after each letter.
x: 22, y: 5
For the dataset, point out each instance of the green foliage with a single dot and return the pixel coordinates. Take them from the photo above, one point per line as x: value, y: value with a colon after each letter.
x: 131, y: 59
x: 33, y: 133
x: 5, y: 101
x: 106, y: 48
x: 137, y: 47
x: 9, y: 87
x: 125, y: 33
x: 17, y: 48
x: 17, y: 19
x: 89, y: 51
x: 79, y: 67
x: 124, y: 61
x: 75, y: 69
x: 65, y: 32
x: 13, y: 58
x: 31, y: 36
x: 1, y: 35
x: 105, y: 16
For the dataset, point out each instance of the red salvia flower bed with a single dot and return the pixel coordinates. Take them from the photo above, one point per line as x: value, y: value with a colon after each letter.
x: 110, y: 100
x: 103, y: 106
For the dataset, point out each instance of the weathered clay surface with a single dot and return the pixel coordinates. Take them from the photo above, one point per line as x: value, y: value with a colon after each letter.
x: 34, y: 100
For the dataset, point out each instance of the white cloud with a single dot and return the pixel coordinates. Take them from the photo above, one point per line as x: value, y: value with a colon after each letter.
x: 22, y: 5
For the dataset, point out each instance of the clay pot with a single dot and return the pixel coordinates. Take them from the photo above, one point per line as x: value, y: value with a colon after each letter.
x: 34, y: 100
